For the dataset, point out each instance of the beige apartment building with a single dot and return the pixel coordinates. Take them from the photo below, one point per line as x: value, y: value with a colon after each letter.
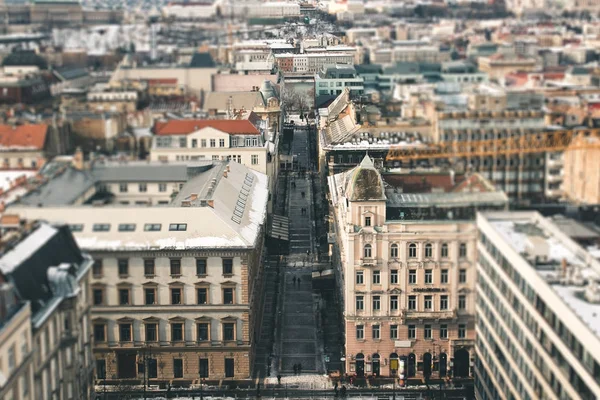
x: 16, y: 351
x: 47, y: 344
x: 176, y: 283
x: 185, y: 140
x: 407, y: 245
x: 581, y: 183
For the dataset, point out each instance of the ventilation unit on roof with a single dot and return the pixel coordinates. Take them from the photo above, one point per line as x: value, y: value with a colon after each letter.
x: 592, y: 291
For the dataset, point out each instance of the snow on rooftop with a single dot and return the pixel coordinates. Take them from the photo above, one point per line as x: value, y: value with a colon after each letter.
x: 521, y: 233
x: 7, y: 177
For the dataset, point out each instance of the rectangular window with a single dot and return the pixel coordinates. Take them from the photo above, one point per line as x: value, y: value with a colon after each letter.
x: 393, y: 331
x: 213, y: 143
x: 194, y: 143
x: 176, y: 296
x: 394, y: 303
x: 101, y: 227
x: 125, y: 332
x: 428, y: 276
x: 149, y: 267
x: 462, y: 331
x: 177, y: 332
x: 126, y: 227
x: 227, y: 266
x: 203, y: 367
x: 229, y: 331
x: 175, y: 267
x: 360, y: 302
x: 367, y: 221
x: 394, y: 277
x: 376, y: 303
x: 412, y: 302
x: 462, y: 302
x: 152, y: 227
x: 376, y: 277
x: 202, y: 330
x: 203, y: 142
x: 254, y: 159
x: 178, y: 227
x: 462, y: 276
x: 428, y: 303
x: 152, y: 368
x: 360, y: 332
x: 97, y: 268
x: 123, y: 187
x: 444, y: 276
x: 360, y: 278
x: 101, y: 369
x: 462, y: 250
x: 229, y: 368
x: 151, y: 333
x: 182, y: 142
x: 143, y: 188
x: 202, y: 295
x: 76, y: 227
x: 221, y: 142
x: 123, y: 296
x: 123, y: 264
x: 444, y: 302
x: 178, y: 368
x: 201, y: 266
x: 427, y: 332
x: 162, y: 187
x: 150, y: 296
x: 99, y: 332
x: 98, y: 296
x: 375, y: 329
x: 412, y: 332
x: 412, y: 276
x: 444, y: 331
x: 228, y: 296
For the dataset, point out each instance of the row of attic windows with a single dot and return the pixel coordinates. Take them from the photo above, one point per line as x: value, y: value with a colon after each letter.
x: 129, y: 227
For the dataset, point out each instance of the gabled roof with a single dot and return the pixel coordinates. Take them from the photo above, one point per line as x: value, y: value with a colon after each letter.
x: 187, y: 126
x: 23, y: 137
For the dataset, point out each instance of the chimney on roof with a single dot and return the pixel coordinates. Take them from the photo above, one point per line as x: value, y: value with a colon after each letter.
x: 77, y: 161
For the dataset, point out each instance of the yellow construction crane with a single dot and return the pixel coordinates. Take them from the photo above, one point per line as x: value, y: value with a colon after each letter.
x: 528, y: 143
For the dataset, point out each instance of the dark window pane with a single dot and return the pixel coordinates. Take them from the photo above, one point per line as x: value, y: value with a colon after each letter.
x: 99, y: 335
x: 227, y: 266
x: 228, y: 296
x: 175, y: 266
x: 202, y: 331
x: 176, y: 296
x: 202, y: 296
x: 200, y: 266
x: 178, y: 368
x: 149, y: 266
x: 229, y: 331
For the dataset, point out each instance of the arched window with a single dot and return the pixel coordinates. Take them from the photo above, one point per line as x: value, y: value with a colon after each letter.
x: 462, y: 251
x: 367, y: 251
x: 428, y: 250
x: 444, y: 250
x: 412, y: 250
x: 394, y: 251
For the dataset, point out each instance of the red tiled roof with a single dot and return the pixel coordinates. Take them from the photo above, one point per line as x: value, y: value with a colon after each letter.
x: 23, y: 136
x: 162, y: 81
x: 187, y: 126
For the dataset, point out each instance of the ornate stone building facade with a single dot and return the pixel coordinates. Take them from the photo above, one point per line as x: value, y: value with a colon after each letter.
x: 408, y: 264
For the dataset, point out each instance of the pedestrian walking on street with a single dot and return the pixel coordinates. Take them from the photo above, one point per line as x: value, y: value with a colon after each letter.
x: 335, y: 389
x: 302, y: 194
x: 294, y: 279
x: 299, y: 368
x: 295, y: 369
x: 279, y: 379
x: 343, y: 391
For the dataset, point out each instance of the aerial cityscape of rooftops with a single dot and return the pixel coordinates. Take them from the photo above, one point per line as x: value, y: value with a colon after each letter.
x: 300, y: 199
